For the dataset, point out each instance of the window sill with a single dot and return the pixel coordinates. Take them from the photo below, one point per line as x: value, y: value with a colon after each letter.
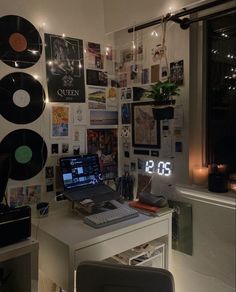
x: 226, y: 200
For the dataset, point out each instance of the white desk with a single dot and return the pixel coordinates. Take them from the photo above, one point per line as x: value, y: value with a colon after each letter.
x: 65, y: 241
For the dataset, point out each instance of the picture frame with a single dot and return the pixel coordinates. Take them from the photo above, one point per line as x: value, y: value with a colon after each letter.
x: 145, y: 128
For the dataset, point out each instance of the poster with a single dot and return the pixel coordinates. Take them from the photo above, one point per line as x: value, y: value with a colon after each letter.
x: 103, y: 118
x: 96, y: 97
x: 93, y: 56
x: 177, y: 72
x: 60, y: 121
x: 20, y: 196
x: 65, y: 69
x: 80, y: 114
x: 104, y: 143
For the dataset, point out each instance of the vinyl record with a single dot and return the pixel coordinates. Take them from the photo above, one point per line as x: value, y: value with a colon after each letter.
x: 28, y: 153
x: 22, y: 98
x: 20, y: 42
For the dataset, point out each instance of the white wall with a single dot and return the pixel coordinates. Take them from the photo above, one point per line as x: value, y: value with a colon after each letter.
x: 123, y: 13
x: 81, y: 19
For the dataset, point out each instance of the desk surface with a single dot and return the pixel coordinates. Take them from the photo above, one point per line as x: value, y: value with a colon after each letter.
x: 65, y: 241
x: 69, y: 228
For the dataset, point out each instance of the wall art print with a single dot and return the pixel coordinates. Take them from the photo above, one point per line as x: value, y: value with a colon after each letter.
x: 65, y: 69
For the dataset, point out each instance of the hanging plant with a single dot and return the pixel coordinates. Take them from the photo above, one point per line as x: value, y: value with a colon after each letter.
x: 162, y: 93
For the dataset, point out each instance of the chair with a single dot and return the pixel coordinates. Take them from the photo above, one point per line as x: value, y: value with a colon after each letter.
x: 94, y: 276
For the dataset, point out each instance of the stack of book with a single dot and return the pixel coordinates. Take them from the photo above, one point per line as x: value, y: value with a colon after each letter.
x: 149, y: 209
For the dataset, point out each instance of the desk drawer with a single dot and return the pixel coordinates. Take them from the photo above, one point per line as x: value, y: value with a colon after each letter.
x: 121, y: 243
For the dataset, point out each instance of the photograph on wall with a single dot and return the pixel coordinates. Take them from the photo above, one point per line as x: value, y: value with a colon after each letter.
x: 65, y: 69
x: 123, y: 80
x: 80, y: 114
x: 60, y: 121
x: 54, y: 148
x: 155, y: 72
x: 126, y: 113
x: 109, y: 53
x: 111, y: 99
x: 126, y: 55
x: 126, y: 93
x: 79, y: 138
x: 145, y: 129
x: 96, y: 77
x: 65, y: 148
x: 27, y: 195
x: 177, y: 72
x: 49, y: 185
x: 94, y: 57
x: 49, y: 172
x: 156, y: 53
x: 103, y: 117
x: 104, y: 143
x: 96, y: 97
x: 141, y: 93
x: 145, y: 76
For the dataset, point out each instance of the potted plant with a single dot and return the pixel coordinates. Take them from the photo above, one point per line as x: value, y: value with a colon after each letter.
x: 162, y: 93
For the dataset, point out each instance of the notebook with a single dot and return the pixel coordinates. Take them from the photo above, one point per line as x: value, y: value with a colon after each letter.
x: 82, y: 179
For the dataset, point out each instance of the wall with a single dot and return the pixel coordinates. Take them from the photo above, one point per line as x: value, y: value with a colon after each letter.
x: 212, y: 265
x: 81, y: 19
x: 122, y: 14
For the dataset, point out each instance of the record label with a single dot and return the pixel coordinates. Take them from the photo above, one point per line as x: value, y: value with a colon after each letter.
x: 22, y: 98
x: 20, y: 42
x: 28, y: 153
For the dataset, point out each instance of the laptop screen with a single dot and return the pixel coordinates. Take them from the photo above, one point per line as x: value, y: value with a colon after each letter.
x: 80, y: 171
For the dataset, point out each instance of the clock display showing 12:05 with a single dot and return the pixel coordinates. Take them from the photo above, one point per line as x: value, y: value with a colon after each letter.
x: 159, y: 167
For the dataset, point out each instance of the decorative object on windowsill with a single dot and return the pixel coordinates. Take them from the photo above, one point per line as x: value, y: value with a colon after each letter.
x: 200, y: 176
x: 162, y: 93
x: 232, y: 182
x: 218, y: 178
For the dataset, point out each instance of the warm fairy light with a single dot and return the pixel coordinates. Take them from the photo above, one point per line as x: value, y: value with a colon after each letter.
x: 36, y: 76
x: 154, y: 33
x: 134, y: 47
x: 85, y: 51
x: 80, y: 64
x: 50, y: 63
x: 16, y: 64
x: 63, y: 35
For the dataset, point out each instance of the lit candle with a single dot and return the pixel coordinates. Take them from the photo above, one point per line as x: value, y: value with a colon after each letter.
x: 200, y: 176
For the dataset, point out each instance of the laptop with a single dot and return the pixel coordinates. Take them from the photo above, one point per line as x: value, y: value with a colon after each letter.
x: 82, y: 179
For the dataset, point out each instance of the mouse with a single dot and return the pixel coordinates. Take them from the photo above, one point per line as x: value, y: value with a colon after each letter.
x: 148, y: 198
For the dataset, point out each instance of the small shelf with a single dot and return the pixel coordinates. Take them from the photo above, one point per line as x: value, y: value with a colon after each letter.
x: 151, y: 254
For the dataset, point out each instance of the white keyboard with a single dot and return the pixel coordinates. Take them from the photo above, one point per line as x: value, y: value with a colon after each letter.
x: 110, y: 217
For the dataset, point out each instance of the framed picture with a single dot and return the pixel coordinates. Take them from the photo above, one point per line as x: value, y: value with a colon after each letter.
x: 145, y: 129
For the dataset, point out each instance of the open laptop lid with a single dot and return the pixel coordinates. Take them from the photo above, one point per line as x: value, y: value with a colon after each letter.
x: 80, y: 171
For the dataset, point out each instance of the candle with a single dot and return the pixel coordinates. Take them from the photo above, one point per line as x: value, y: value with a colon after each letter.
x: 200, y: 176
x: 232, y: 182
x: 218, y: 178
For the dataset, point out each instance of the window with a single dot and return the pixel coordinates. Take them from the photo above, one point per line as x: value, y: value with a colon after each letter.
x: 221, y: 91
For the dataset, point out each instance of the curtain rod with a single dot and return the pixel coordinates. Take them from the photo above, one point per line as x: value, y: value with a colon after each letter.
x: 176, y: 17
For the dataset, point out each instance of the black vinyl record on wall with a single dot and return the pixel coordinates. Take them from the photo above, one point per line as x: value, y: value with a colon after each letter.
x: 20, y: 42
x: 22, y: 98
x: 28, y: 153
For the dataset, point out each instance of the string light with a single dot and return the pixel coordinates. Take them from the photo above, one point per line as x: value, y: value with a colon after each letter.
x: 63, y: 35
x: 224, y: 35
x: 154, y: 33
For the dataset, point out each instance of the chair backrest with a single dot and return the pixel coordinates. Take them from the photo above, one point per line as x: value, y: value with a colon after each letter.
x: 94, y: 276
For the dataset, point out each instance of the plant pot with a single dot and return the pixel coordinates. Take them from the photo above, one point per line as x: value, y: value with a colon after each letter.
x: 163, y: 113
